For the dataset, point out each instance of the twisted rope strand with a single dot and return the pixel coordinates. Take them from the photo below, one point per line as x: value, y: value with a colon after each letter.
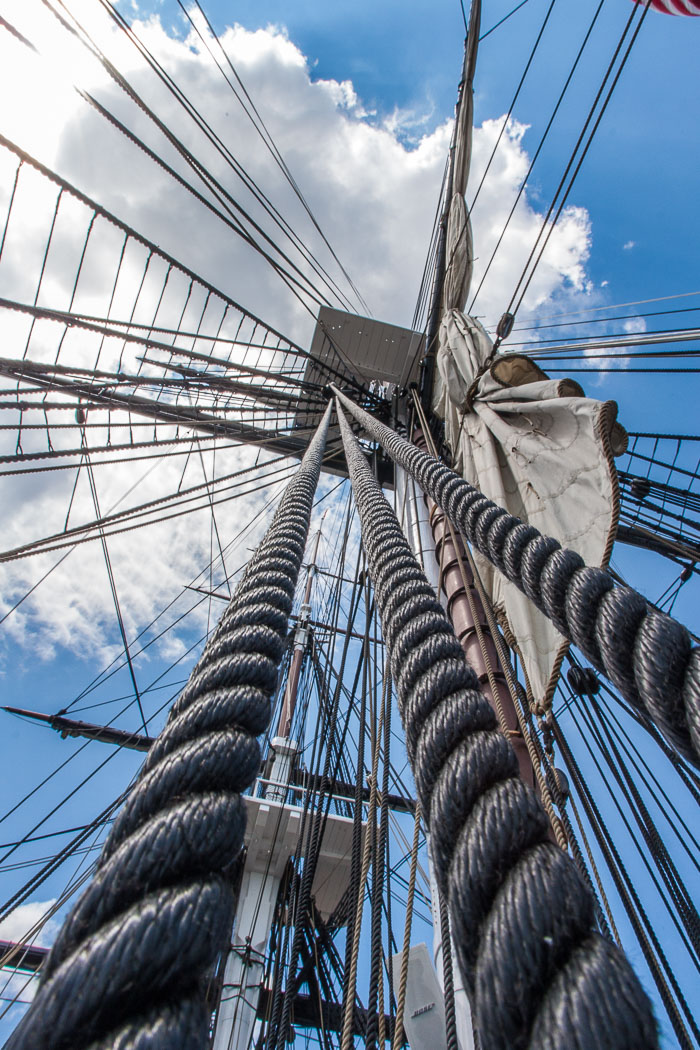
x: 523, y: 921
x: 129, y: 966
x: 647, y: 655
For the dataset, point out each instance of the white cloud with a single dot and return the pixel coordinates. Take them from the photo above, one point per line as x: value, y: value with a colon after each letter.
x: 561, y: 271
x: 628, y: 246
x: 25, y: 919
x: 373, y: 188
x: 21, y: 987
x: 634, y: 325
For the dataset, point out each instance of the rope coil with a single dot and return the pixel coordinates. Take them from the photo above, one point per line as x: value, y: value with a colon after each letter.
x: 129, y: 966
x: 539, y: 974
x: 647, y: 655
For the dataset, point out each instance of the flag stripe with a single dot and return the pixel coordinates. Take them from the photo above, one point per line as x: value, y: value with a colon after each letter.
x: 674, y: 7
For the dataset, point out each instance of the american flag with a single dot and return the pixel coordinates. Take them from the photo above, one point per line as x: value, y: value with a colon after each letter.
x: 674, y: 7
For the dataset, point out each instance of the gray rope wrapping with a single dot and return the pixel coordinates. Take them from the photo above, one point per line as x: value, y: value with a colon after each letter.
x: 538, y: 973
x: 647, y: 655
x: 129, y: 967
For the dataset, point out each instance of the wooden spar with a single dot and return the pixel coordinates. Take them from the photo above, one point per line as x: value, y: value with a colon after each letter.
x: 73, y: 727
x: 468, y: 618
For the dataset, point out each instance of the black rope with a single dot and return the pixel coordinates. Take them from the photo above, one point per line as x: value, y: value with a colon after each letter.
x: 538, y: 973
x: 502, y: 20
x: 279, y: 1033
x: 526, y: 180
x: 647, y: 655
x: 251, y: 111
x: 448, y: 976
x: 654, y: 955
x: 561, y: 194
x: 134, y: 953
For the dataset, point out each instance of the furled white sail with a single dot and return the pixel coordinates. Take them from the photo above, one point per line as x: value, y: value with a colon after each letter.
x: 536, y: 446
x: 539, y: 448
x: 460, y: 256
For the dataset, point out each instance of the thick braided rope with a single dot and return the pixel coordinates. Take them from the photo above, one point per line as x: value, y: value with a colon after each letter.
x: 647, y: 655
x: 129, y: 967
x: 539, y: 974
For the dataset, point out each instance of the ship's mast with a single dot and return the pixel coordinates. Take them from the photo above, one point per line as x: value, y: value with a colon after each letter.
x: 301, y: 637
x: 274, y: 829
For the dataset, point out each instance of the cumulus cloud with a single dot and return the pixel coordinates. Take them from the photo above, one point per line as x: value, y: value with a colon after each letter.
x: 29, y: 923
x: 634, y: 325
x: 373, y: 186
x: 562, y: 269
x: 628, y: 246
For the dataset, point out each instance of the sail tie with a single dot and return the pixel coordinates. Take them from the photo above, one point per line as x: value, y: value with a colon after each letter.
x: 130, y: 964
x: 523, y: 921
x: 647, y: 655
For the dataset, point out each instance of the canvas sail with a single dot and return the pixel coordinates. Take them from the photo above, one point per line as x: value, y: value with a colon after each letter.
x: 536, y: 446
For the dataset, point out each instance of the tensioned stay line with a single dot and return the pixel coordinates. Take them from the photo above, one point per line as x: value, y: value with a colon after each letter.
x: 228, y: 156
x: 260, y: 126
x: 201, y: 170
x: 540, y: 145
x: 547, y: 227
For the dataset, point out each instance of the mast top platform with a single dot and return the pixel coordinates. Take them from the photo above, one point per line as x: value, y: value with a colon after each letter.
x: 377, y: 355
x: 375, y: 352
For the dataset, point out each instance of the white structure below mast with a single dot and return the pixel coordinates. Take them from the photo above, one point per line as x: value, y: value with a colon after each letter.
x: 272, y: 836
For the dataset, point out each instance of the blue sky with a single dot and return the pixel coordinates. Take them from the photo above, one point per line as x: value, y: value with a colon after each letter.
x: 639, y: 180
x: 640, y: 177
x: 633, y: 237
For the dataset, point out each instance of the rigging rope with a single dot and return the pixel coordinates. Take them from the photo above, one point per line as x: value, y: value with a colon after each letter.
x: 647, y: 655
x: 525, y: 182
x: 129, y: 963
x: 251, y: 111
x: 654, y: 955
x: 399, y: 1039
x: 200, y: 169
x: 523, y: 919
x: 562, y: 193
x: 76, y: 194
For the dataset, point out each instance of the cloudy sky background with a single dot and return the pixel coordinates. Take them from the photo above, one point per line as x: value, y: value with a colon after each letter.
x: 367, y: 146
x: 359, y: 101
x: 372, y: 174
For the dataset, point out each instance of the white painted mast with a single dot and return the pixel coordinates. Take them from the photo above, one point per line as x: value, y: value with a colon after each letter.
x: 271, y: 837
